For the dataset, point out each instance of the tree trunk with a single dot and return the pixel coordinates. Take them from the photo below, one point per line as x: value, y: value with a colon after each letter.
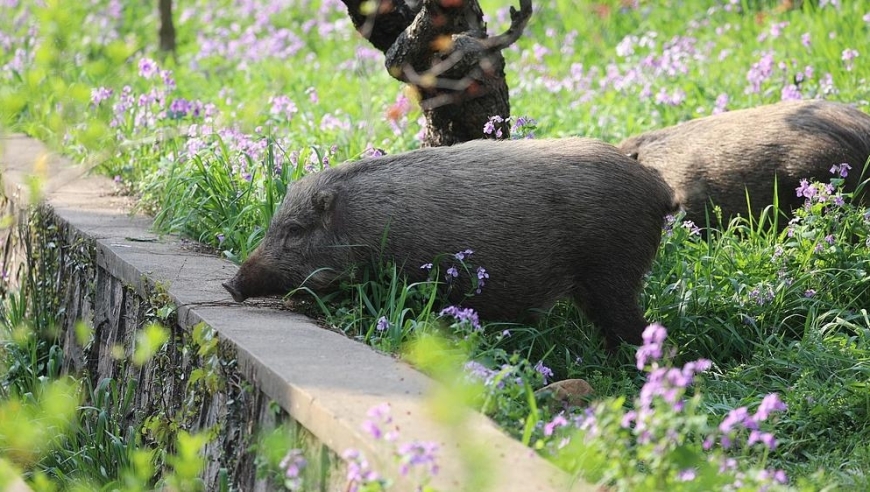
x: 167, y: 28
x: 441, y: 48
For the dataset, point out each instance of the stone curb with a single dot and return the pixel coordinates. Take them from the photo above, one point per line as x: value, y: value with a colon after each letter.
x: 325, y: 381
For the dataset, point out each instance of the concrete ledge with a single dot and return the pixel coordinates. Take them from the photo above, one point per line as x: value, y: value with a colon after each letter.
x: 323, y: 380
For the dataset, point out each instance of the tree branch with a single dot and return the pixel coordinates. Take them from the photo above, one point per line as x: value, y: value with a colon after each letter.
x: 519, y: 19
x: 385, y: 22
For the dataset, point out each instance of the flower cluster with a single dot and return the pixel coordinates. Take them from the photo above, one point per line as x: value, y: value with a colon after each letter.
x: 410, y: 456
x: 543, y: 370
x: 493, y: 127
x: 292, y: 465
x: 463, y: 316
x: 666, y: 431
x: 492, y: 378
x: 825, y: 193
x: 359, y: 472
x: 740, y: 419
x: 523, y: 127
x: 762, y: 294
x: 672, y: 220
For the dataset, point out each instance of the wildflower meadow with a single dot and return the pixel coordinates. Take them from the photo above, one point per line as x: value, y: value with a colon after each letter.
x: 755, y: 369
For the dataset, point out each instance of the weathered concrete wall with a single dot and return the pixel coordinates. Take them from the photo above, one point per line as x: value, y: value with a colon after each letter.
x: 269, y: 365
x: 79, y: 282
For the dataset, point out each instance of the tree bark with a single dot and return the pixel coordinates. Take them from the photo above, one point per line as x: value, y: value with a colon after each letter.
x: 441, y: 48
x: 167, y: 28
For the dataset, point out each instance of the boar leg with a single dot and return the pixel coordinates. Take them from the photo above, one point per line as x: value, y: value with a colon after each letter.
x: 613, y: 309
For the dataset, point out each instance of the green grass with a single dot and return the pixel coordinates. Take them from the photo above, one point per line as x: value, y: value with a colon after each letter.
x: 223, y: 189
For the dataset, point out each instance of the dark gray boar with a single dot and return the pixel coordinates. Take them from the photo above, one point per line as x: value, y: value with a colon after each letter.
x: 718, y: 158
x: 547, y: 219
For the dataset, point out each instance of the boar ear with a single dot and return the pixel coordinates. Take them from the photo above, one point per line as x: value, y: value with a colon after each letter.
x: 324, y: 202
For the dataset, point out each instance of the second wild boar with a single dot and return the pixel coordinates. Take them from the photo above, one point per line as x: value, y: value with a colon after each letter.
x: 720, y: 158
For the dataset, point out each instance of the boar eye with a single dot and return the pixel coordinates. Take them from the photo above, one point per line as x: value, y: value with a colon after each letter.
x: 292, y: 228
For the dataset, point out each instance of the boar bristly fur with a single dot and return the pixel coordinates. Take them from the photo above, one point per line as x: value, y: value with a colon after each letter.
x: 547, y: 219
x: 720, y: 158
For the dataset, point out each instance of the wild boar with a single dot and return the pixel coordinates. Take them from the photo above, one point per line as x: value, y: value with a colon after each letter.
x: 720, y: 158
x: 547, y: 219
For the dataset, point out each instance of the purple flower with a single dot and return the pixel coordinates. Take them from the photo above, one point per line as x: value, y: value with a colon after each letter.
x: 544, y: 370
x: 687, y: 475
x: 524, y: 127
x: 168, y: 81
x: 629, y: 417
x: 691, y: 227
x: 762, y: 294
x: 426, y: 266
x: 179, y: 108
x: 466, y: 315
x: 464, y: 254
x: 668, y: 228
x: 674, y: 99
x: 791, y: 92
x: 100, y: 94
x: 765, y: 438
x: 759, y: 72
x: 776, y: 29
x: 372, y: 428
x: 728, y: 464
x: 847, y: 56
x: 489, y: 127
x: 737, y: 417
x: 358, y: 471
x: 293, y: 464
x: 418, y: 453
x: 147, y: 68
x: 482, y: 275
x: 383, y: 324
x: 372, y: 152
x: 810, y: 293
x: 805, y: 39
x: 721, y: 103
x: 770, y: 403
x: 380, y: 412
x: 827, y: 84
x: 220, y: 238
x: 282, y: 108
x: 452, y: 273
x: 558, y: 421
x: 805, y: 190
x: 707, y: 445
x: 312, y: 95
x: 653, y: 337
x: 480, y: 371
x: 654, y: 333
x: 841, y: 169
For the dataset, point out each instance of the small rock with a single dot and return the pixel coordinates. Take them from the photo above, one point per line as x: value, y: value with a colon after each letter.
x: 565, y: 393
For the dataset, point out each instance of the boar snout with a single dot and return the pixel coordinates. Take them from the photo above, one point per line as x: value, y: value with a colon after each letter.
x: 234, y: 291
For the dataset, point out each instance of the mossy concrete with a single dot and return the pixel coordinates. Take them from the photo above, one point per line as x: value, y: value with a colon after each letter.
x: 116, y: 272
